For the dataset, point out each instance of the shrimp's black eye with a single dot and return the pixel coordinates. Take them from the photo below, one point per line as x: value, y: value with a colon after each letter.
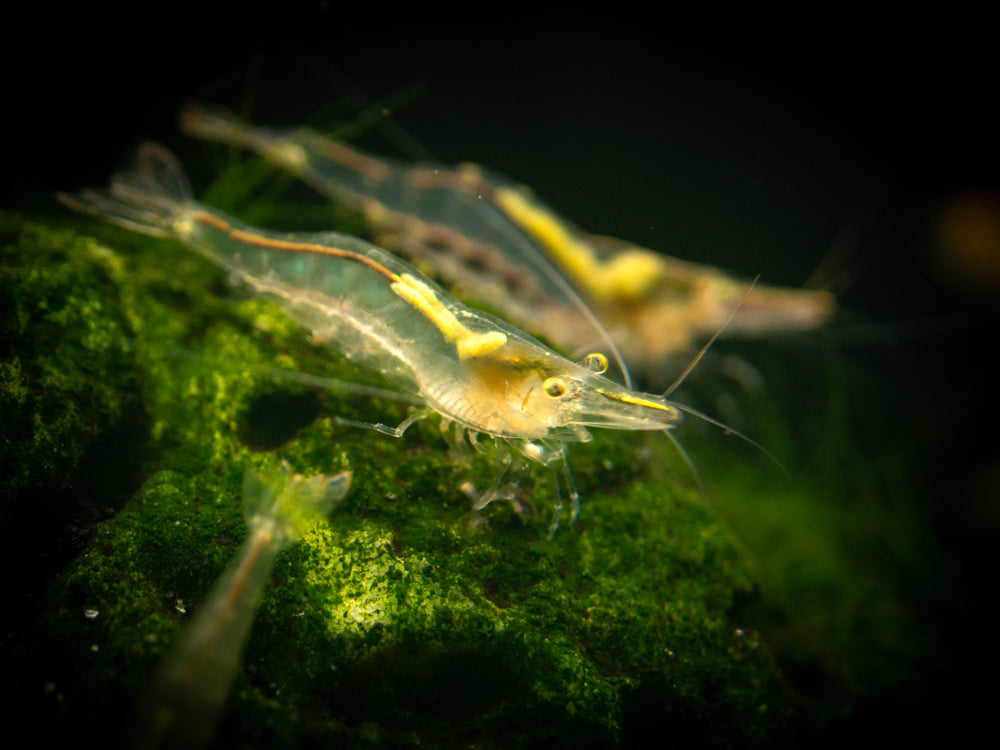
x: 554, y: 387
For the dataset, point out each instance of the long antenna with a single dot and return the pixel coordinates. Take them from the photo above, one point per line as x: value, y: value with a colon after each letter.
x: 701, y: 353
x: 712, y: 420
x: 690, y: 466
x: 731, y: 431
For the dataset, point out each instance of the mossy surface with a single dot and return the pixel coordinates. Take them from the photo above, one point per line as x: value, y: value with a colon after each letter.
x: 395, y: 624
x: 63, y: 364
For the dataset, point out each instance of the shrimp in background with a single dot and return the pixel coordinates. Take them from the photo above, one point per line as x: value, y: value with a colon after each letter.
x: 482, y: 233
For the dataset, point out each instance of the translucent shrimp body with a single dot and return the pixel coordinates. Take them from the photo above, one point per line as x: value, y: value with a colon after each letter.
x: 184, y: 701
x: 471, y: 368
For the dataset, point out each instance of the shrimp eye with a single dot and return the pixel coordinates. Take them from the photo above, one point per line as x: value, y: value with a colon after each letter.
x: 595, y: 362
x: 554, y: 387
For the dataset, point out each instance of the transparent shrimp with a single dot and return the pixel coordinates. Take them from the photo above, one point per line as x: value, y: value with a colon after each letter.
x: 184, y: 701
x: 483, y: 233
x: 476, y: 371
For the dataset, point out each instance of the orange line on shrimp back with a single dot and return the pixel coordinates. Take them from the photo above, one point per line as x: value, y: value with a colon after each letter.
x: 250, y: 238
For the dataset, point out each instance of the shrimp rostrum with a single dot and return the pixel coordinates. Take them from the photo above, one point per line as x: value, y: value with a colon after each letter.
x: 474, y: 370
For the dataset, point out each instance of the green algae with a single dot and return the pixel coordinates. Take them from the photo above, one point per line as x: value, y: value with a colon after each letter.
x: 395, y: 624
x: 63, y: 367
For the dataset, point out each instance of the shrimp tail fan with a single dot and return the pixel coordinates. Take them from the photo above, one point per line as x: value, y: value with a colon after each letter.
x: 151, y: 198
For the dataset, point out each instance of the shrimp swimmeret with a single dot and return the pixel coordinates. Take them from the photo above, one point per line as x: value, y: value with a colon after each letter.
x: 473, y: 369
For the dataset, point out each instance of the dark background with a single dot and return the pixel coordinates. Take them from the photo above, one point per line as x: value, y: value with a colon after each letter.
x: 758, y: 146
x: 751, y: 143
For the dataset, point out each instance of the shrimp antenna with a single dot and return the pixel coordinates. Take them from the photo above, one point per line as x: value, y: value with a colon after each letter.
x: 701, y: 353
x: 729, y: 431
x: 690, y: 465
x: 712, y: 420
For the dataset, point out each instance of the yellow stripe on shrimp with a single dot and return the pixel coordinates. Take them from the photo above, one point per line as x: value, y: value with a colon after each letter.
x: 468, y: 343
x: 627, y: 276
x: 625, y: 397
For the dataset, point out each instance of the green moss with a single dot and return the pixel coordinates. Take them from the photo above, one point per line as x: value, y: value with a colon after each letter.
x: 64, y: 373
x: 490, y: 635
x: 394, y: 624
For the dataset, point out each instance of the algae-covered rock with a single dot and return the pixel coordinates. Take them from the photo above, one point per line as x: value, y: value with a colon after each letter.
x: 65, y: 374
x: 396, y: 623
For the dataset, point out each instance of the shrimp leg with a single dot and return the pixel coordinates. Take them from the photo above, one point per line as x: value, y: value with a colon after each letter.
x: 396, y: 432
